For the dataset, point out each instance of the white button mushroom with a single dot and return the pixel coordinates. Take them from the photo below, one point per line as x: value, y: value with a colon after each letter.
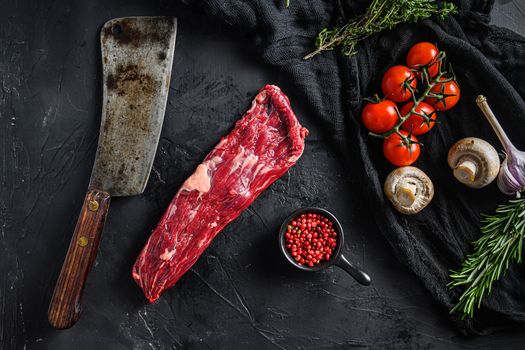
x: 475, y: 162
x: 409, y: 189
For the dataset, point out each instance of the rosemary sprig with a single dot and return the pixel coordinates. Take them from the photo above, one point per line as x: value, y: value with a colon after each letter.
x: 380, y: 15
x: 500, y: 245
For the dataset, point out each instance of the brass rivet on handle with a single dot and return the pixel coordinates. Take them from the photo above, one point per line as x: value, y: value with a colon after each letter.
x: 93, y: 205
x: 82, y: 241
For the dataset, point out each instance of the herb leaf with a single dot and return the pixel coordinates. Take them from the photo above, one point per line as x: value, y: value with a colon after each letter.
x: 380, y: 15
x: 500, y: 245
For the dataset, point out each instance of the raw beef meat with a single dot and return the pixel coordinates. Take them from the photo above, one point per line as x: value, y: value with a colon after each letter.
x: 264, y: 144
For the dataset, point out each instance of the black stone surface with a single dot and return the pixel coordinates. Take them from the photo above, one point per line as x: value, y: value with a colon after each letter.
x: 240, y: 294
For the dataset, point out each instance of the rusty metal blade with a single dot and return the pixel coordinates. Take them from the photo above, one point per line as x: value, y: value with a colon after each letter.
x: 137, y: 56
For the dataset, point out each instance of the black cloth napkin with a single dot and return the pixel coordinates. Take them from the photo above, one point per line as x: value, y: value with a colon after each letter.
x: 486, y: 59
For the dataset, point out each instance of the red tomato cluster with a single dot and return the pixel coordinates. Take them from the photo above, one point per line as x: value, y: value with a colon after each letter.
x: 398, y: 82
x: 310, y: 238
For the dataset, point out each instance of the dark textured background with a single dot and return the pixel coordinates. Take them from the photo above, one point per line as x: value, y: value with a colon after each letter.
x: 240, y: 294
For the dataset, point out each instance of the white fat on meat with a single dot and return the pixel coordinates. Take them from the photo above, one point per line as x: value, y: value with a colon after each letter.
x: 200, y: 180
x: 167, y: 255
x: 212, y: 163
x: 261, y: 169
x: 249, y: 161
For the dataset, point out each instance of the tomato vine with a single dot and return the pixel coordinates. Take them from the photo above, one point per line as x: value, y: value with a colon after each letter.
x: 444, y: 75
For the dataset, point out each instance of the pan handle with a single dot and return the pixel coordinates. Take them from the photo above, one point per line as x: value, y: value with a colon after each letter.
x: 358, y: 274
x: 64, y: 309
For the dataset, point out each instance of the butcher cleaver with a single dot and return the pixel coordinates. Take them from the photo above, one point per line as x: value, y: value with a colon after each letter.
x: 137, y: 56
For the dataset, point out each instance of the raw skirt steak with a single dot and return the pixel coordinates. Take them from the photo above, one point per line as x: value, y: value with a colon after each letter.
x: 264, y: 144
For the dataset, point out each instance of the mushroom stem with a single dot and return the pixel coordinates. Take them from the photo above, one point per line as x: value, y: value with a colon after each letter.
x: 475, y: 162
x: 408, y: 189
x: 406, y: 193
x: 466, y: 170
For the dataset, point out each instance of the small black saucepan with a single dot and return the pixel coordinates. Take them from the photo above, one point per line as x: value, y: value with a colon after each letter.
x: 337, y: 258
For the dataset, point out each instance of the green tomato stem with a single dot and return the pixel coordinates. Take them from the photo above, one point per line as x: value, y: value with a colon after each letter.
x: 443, y: 76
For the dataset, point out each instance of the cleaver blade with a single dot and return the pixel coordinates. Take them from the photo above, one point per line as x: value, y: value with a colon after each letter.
x: 137, y: 57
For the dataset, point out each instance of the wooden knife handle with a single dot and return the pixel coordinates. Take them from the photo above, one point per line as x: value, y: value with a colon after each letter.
x: 64, y: 309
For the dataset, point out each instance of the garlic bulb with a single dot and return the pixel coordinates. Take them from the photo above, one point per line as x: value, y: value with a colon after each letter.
x: 511, y: 177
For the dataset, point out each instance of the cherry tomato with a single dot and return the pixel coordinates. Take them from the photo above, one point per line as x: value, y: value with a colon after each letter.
x: 393, y: 84
x: 397, y: 152
x: 452, y: 93
x: 415, y: 122
x: 380, y: 117
x: 422, y: 54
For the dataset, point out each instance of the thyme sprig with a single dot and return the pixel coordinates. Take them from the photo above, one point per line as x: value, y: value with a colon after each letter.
x: 380, y: 15
x: 444, y: 75
x: 500, y: 245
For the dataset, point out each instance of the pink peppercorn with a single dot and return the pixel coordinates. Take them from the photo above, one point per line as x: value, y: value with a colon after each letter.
x: 310, y: 239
